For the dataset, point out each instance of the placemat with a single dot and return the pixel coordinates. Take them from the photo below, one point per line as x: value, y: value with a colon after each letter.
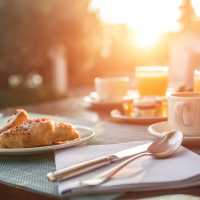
x: 30, y: 171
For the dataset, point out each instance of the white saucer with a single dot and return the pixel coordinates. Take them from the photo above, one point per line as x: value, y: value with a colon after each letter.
x: 118, y: 114
x: 93, y: 99
x: 162, y: 128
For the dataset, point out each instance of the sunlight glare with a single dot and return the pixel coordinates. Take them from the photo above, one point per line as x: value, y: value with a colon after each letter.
x: 146, y: 37
x: 148, y: 17
x: 196, y: 5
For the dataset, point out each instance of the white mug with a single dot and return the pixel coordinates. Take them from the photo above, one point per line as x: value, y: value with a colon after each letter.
x: 184, y: 112
x: 111, y: 88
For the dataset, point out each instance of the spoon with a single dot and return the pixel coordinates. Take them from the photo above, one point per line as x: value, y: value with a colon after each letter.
x: 162, y: 147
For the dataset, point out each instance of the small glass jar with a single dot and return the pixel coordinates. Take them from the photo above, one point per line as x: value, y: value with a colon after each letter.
x: 196, y: 81
x: 145, y: 107
x: 128, y: 107
x: 151, y: 80
x: 161, y: 105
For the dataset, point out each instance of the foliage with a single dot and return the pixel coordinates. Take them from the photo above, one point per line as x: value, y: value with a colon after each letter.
x: 30, y: 29
x: 188, y: 18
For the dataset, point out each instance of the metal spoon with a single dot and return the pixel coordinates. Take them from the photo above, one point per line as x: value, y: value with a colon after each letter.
x: 162, y: 147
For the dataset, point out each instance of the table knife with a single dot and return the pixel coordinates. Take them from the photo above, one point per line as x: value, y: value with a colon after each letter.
x: 81, y: 168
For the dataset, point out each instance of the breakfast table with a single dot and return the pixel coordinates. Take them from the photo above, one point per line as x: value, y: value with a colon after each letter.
x: 24, y: 176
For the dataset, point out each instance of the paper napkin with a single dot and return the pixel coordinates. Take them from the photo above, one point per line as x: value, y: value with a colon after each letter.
x: 143, y: 174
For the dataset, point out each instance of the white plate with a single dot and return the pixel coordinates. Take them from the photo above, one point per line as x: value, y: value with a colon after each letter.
x: 93, y: 99
x: 118, y: 114
x: 86, y: 134
x: 162, y: 128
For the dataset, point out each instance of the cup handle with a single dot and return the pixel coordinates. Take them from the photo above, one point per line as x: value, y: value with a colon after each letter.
x: 178, y: 113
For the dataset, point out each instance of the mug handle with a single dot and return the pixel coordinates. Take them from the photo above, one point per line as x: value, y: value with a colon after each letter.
x: 178, y: 113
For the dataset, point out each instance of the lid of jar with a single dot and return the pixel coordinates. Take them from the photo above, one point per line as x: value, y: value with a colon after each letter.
x: 160, y: 98
x: 145, y: 101
x: 128, y: 98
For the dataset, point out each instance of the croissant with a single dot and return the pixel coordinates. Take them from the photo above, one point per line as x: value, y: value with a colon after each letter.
x: 37, y: 132
x: 17, y: 119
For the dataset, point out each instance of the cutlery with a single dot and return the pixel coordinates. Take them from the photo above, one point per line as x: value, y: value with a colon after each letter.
x: 162, y: 147
x: 78, y: 169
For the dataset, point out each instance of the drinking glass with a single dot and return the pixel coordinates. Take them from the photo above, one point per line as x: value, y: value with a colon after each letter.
x: 151, y: 80
x: 196, y: 81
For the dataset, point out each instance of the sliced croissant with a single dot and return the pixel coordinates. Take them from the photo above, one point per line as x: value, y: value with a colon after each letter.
x: 17, y: 119
x: 37, y: 132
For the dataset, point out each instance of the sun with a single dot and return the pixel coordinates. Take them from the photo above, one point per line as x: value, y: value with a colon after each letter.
x: 146, y: 38
x: 147, y: 33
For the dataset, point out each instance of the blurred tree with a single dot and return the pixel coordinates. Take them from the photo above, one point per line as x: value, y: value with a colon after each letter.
x: 29, y: 29
x: 188, y: 18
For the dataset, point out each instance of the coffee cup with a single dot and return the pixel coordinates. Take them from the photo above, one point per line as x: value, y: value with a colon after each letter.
x: 184, y: 112
x: 111, y: 88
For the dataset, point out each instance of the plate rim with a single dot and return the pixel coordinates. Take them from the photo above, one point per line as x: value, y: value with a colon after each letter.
x: 135, y: 118
x: 157, y: 134
x: 50, y: 148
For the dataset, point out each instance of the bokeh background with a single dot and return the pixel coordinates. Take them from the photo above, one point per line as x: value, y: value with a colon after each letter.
x: 48, y: 47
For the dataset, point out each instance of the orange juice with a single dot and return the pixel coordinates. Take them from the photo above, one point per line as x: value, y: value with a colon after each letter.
x: 196, y: 81
x: 152, y: 80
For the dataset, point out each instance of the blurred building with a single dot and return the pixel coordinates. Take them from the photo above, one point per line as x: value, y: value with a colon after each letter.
x: 184, y: 51
x: 184, y: 58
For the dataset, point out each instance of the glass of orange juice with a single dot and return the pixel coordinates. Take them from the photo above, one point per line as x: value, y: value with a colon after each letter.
x: 196, y: 81
x: 151, y: 80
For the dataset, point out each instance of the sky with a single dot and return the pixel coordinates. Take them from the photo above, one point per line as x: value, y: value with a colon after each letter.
x: 146, y: 16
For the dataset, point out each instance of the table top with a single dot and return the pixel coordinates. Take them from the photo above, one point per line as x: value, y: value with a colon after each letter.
x: 74, y: 108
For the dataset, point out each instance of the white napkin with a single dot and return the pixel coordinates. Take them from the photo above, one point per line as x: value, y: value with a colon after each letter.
x: 143, y: 174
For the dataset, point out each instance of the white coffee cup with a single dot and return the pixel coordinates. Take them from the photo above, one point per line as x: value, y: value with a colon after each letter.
x: 184, y: 112
x: 111, y: 88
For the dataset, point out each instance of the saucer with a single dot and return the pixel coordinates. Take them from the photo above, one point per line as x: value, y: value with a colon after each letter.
x: 162, y: 128
x: 118, y: 114
x: 94, y: 99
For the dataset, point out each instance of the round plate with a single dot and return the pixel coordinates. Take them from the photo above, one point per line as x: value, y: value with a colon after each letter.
x: 162, y: 128
x: 118, y: 114
x: 86, y: 134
